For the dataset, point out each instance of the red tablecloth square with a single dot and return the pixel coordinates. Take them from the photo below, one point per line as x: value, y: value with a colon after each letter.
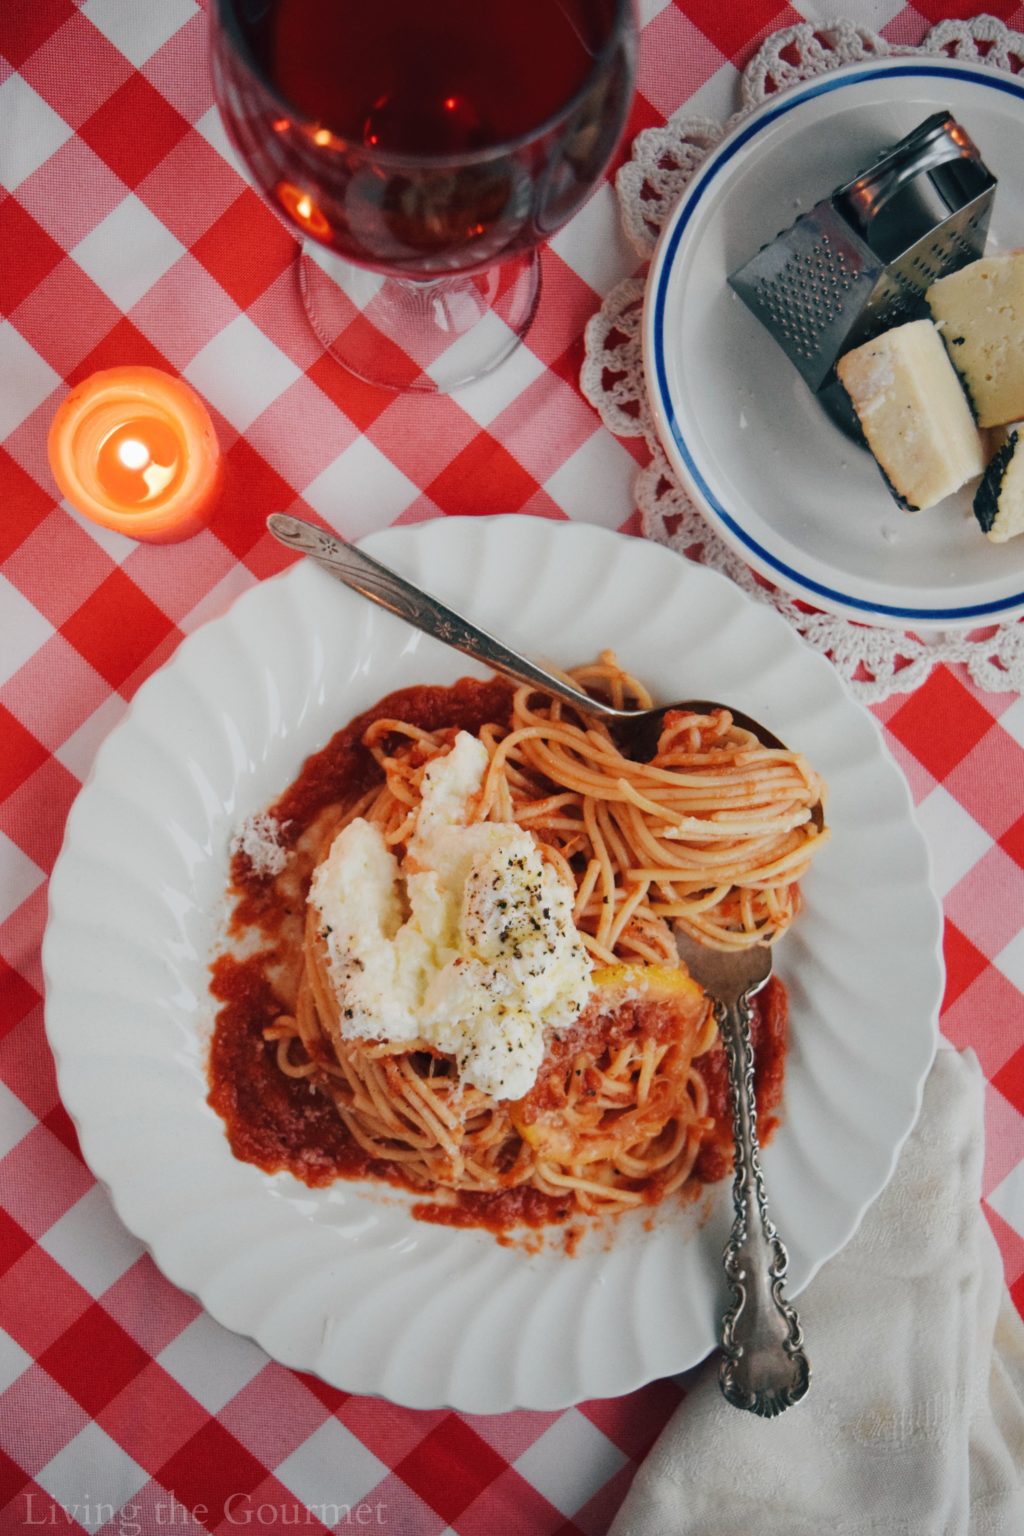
x: 21, y: 756
x: 41, y: 1161
x: 210, y: 1470
x: 71, y: 1359
x: 936, y: 10
x: 483, y: 478
x: 252, y: 490
x: 14, y: 1241
x: 56, y: 693
x: 155, y: 128
x: 60, y: 1124
x: 450, y: 1467
x: 964, y: 962
x: 246, y: 248
x: 737, y: 29
x: 944, y: 721
x: 123, y: 344
x: 12, y: 1480
x: 358, y: 338
x: 1012, y: 841
x: 992, y: 884
x: 117, y: 628
x: 30, y: 26
x: 38, y: 254
x: 278, y: 1410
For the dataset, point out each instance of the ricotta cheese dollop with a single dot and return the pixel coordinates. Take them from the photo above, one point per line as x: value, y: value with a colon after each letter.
x: 468, y: 945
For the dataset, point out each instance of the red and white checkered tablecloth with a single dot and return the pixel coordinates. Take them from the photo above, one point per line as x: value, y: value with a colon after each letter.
x: 127, y: 235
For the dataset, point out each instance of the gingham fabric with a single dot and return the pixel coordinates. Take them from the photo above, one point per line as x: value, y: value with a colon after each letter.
x: 128, y: 235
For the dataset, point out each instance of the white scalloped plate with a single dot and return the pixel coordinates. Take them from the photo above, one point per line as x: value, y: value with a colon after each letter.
x: 764, y: 463
x: 342, y: 1281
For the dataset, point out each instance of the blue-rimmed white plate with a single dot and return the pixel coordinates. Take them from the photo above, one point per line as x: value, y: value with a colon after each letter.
x: 774, y: 475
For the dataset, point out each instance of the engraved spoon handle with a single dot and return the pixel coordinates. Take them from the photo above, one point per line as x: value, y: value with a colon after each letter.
x: 764, y: 1368
x: 385, y: 587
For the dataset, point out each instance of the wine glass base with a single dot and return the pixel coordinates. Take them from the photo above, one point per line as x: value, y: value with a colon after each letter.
x: 433, y: 336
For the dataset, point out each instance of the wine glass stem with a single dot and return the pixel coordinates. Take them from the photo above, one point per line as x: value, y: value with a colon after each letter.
x: 435, y: 334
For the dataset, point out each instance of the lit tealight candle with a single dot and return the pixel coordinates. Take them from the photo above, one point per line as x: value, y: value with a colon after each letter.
x: 134, y: 449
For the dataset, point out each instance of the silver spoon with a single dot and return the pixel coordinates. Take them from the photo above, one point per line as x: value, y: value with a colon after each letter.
x: 635, y: 730
x: 764, y: 1368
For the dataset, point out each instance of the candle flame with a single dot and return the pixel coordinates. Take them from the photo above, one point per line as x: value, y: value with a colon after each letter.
x: 133, y: 454
x: 139, y: 459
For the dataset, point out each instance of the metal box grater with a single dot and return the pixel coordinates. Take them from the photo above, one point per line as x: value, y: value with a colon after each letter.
x: 860, y: 261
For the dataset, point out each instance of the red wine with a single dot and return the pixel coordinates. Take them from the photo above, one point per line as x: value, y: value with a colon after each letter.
x: 429, y: 77
x: 425, y: 136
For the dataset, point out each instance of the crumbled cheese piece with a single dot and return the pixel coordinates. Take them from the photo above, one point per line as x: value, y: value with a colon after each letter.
x: 913, y: 413
x: 980, y: 313
x: 999, y: 503
x: 469, y: 945
x: 259, y: 839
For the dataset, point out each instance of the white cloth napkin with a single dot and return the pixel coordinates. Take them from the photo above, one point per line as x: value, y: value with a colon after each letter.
x: 914, y: 1422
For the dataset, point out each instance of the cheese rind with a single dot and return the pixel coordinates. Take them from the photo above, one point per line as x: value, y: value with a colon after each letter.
x: 999, y: 502
x: 980, y: 314
x: 913, y: 413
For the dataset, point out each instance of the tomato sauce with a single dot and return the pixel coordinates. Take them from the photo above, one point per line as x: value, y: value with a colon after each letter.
x: 769, y: 1030
x: 279, y: 1122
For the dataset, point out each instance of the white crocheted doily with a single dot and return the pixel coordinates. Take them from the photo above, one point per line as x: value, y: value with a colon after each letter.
x: 875, y: 662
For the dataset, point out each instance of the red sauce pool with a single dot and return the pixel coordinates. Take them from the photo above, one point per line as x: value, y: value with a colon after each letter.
x: 282, y: 1123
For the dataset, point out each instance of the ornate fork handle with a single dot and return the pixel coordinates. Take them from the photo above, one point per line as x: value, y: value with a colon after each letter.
x: 764, y: 1368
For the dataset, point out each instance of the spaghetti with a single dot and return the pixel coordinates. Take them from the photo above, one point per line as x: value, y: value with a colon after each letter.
x: 714, y: 834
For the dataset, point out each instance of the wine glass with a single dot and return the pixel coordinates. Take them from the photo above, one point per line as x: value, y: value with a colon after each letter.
x: 423, y: 151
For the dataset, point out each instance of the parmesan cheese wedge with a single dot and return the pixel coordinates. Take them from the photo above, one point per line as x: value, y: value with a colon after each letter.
x: 980, y: 314
x: 913, y: 413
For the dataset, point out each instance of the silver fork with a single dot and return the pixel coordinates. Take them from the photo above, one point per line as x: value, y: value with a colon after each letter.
x: 764, y: 1367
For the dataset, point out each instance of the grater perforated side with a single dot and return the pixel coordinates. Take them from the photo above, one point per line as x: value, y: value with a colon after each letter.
x: 808, y: 286
x: 861, y: 260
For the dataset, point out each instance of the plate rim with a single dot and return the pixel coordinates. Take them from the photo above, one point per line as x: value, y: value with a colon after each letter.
x: 557, y: 1399
x: 669, y: 433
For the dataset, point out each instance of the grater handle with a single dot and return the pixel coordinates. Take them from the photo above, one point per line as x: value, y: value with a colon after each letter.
x: 869, y: 193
